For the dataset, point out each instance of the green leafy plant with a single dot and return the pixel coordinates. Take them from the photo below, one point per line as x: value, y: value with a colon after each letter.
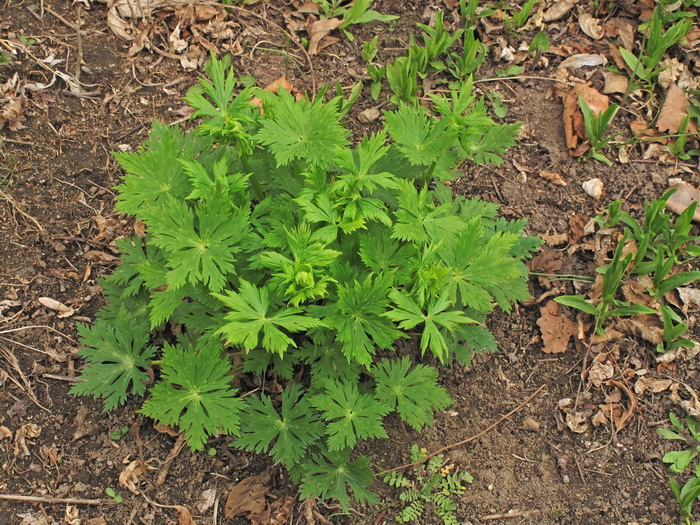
x: 357, y: 12
x: 662, y: 246
x: 431, y: 486
x: 538, y: 45
x: 437, y: 41
x: 375, y: 73
x: 689, y: 433
x: 608, y: 305
x: 520, y: 18
x: 646, y: 66
x: 462, y: 65
x: 678, y: 146
x: 686, y: 496
x: 402, y: 76
x: 595, y: 126
x: 273, y: 247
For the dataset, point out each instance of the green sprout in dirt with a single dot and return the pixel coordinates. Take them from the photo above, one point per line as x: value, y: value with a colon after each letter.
x: 462, y: 65
x: 538, y: 46
x: 357, y: 12
x: 113, y: 494
x: 646, y: 67
x: 679, y: 461
x: 677, y: 147
x: 375, y: 73
x: 608, y: 305
x: 432, y: 486
x: 595, y: 126
x: 688, y: 432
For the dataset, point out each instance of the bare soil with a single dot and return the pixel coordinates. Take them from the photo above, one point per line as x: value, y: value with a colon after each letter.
x: 57, y: 228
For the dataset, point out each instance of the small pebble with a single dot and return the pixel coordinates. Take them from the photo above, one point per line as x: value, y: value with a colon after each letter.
x: 594, y: 188
x: 369, y: 115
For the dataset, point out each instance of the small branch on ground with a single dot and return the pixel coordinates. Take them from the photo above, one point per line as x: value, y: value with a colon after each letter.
x: 523, y: 514
x: 56, y: 501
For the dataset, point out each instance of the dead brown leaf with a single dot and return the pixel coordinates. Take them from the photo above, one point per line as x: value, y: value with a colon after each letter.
x: 96, y: 521
x: 623, y: 419
x: 692, y: 405
x: 248, y: 495
x: 614, y: 83
x: 674, y: 109
x: 591, y: 26
x: 101, y: 258
x: 555, y: 239
x: 130, y: 476
x: 556, y: 329
x: 683, y: 198
x: 554, y: 178
x: 5, y: 433
x: 318, y: 30
x: 600, y: 372
x: 652, y: 385
x: 558, y: 10
x: 11, y: 113
x: 22, y: 436
x: 648, y: 327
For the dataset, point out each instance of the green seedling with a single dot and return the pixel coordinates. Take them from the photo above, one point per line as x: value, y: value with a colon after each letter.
x: 646, y: 66
x: 468, y: 11
x: 609, y: 305
x: 496, y: 99
x: 402, y: 77
x: 376, y: 74
x: 595, y: 126
x: 118, y: 434
x: 112, y: 494
x: 686, y: 496
x: 689, y: 433
x: 521, y: 17
x: 674, y: 328
x: 461, y: 66
x: 437, y: 41
x: 538, y: 45
x: 431, y: 486
x: 274, y: 243
x: 678, y: 146
x: 358, y: 12
x: 511, y: 71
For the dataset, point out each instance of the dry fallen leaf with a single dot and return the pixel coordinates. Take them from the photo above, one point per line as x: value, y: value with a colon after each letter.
x: 206, y: 500
x: 5, y: 433
x: 30, y: 430
x: 558, y: 10
x: 600, y: 372
x: 652, y: 385
x: 622, y: 420
x: 591, y: 26
x: 53, y: 304
x: 614, y: 83
x: 96, y: 521
x: 129, y: 478
x: 674, y: 109
x: 556, y: 329
x: 683, y: 198
x: 318, y: 30
x: 554, y: 178
x: 248, y: 496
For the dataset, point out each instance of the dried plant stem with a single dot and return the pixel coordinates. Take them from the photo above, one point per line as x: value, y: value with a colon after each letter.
x: 56, y: 501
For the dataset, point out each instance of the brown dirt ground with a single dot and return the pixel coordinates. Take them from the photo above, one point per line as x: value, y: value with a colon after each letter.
x: 57, y: 205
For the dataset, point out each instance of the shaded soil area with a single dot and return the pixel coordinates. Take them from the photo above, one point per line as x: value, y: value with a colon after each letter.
x: 57, y: 231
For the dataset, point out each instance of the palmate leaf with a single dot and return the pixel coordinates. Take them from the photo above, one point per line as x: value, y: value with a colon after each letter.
x: 358, y: 319
x: 494, y: 143
x: 153, y: 174
x: 195, y: 393
x: 302, y: 130
x: 329, y: 476
x: 117, y: 357
x: 350, y: 415
x: 420, y: 138
x: 414, y: 394
x: 292, y: 430
x: 201, y: 243
x: 418, y: 219
x: 409, y: 314
x: 249, y: 315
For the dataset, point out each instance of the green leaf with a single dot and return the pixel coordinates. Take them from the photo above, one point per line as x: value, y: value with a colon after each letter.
x: 330, y: 476
x: 250, y: 315
x: 414, y: 394
x: 286, y: 435
x: 117, y: 358
x: 358, y: 319
x: 201, y: 243
x: 578, y: 302
x: 679, y: 460
x: 408, y: 314
x: 351, y: 416
x: 420, y: 138
x: 302, y: 130
x: 195, y: 393
x: 494, y: 143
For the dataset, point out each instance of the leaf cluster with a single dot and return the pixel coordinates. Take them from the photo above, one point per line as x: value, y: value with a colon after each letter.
x: 273, y: 247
